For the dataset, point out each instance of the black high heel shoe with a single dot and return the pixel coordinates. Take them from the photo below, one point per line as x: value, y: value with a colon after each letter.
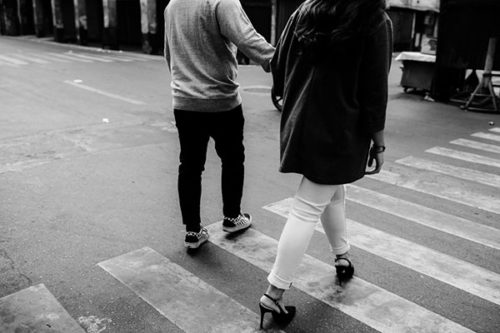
x: 281, y: 317
x: 344, y: 273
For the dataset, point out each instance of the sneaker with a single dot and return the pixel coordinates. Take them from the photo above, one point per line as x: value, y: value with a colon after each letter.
x: 194, y: 240
x: 241, y: 222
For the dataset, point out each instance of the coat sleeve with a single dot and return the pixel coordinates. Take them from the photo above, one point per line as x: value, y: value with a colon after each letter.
x: 278, y: 62
x: 374, y: 72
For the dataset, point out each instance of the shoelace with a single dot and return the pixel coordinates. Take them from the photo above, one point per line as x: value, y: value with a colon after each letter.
x: 197, y: 234
x: 240, y: 219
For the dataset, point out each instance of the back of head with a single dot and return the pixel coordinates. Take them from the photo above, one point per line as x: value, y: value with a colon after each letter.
x: 323, y: 23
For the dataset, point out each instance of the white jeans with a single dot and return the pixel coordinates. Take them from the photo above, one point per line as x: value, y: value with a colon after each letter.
x: 312, y: 203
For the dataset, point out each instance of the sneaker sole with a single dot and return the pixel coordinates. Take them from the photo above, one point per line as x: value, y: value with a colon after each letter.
x: 195, y: 245
x: 235, y: 229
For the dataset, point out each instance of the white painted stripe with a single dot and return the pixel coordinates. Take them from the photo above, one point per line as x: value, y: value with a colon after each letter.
x: 431, y: 218
x: 477, y: 145
x: 460, y: 155
x: 32, y: 59
x: 187, y: 301
x: 487, y: 136
x: 368, y: 303
x: 443, y: 189
x: 13, y: 60
x: 22, y: 165
x: 451, y: 170
x: 8, y: 64
x: 97, y: 91
x: 495, y: 129
x: 143, y: 56
x: 457, y: 273
x: 50, y: 57
x: 35, y: 309
x: 126, y: 59
x: 88, y: 57
x: 111, y: 57
x: 130, y: 56
x: 68, y: 57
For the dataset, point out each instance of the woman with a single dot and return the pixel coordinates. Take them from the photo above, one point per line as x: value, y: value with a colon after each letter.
x: 331, y: 66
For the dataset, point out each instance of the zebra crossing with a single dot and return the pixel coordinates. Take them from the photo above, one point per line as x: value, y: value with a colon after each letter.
x: 45, y: 58
x: 447, y: 174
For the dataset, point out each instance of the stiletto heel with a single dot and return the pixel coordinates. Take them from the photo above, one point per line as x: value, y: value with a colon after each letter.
x: 263, y: 311
x: 344, y: 273
x: 283, y: 317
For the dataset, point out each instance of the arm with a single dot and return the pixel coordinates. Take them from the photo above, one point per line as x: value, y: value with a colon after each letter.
x: 166, y: 51
x: 278, y: 62
x: 237, y: 28
x: 374, y: 72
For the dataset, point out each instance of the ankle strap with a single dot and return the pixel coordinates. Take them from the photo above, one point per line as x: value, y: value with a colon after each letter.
x: 346, y: 259
x: 272, y: 299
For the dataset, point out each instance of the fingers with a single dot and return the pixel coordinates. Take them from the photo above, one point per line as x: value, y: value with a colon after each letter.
x: 379, y: 161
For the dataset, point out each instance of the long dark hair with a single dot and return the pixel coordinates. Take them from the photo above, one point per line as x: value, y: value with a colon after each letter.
x: 326, y: 22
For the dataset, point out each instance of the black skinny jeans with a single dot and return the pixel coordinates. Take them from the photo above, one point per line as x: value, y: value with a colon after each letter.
x: 195, y: 129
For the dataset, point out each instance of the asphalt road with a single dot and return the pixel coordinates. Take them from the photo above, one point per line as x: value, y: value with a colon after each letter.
x: 88, y: 170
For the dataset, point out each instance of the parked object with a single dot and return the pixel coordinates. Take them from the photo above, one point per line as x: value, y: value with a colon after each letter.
x: 418, y: 70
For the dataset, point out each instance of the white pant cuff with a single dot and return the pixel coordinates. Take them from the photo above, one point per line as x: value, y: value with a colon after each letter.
x: 278, y: 282
x: 341, y: 250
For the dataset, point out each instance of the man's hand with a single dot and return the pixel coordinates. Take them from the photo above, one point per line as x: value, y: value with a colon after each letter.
x: 267, y: 66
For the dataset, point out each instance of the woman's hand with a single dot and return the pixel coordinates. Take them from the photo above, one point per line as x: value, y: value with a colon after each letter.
x: 377, y: 155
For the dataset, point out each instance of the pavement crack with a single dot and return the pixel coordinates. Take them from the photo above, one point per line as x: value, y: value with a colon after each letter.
x: 12, y: 279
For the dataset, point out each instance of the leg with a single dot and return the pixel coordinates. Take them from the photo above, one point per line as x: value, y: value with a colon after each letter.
x: 193, y: 138
x: 308, y: 206
x: 228, y: 136
x: 334, y: 223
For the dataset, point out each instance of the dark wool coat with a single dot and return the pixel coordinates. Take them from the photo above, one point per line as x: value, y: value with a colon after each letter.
x: 333, y: 101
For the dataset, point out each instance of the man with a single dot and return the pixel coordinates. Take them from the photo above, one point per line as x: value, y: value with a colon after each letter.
x: 201, y: 39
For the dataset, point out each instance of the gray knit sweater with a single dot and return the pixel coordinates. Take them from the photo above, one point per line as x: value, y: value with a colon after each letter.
x: 201, y: 38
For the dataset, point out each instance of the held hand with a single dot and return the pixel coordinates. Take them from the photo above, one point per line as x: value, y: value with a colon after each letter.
x: 377, y: 155
x: 267, y: 66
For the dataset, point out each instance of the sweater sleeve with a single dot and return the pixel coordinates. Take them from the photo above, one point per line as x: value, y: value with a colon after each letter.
x: 374, y: 76
x: 166, y: 51
x: 237, y: 28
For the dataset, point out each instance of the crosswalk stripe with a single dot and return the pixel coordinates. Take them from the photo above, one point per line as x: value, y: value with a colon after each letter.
x: 460, y: 155
x: 366, y: 302
x: 32, y: 59
x: 88, y: 57
x: 68, y: 57
x: 477, y: 145
x: 454, y: 171
x: 445, y: 189
x: 495, y: 129
x: 35, y: 309
x: 429, y: 217
x: 175, y: 293
x: 12, y: 60
x: 487, y: 136
x: 458, y: 273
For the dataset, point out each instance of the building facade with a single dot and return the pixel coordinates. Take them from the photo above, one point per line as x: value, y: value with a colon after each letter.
x: 115, y: 24
x: 122, y: 24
